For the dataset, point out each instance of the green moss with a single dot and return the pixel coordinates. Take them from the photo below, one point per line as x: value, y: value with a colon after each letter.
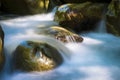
x: 24, y: 6
x: 28, y: 55
x: 113, y: 18
x: 80, y: 17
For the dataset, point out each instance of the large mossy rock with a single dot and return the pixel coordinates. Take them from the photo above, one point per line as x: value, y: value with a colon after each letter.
x: 1, y: 48
x: 24, y: 6
x: 60, y: 34
x: 54, y: 3
x: 79, y: 17
x: 113, y: 18
x: 36, y: 56
x: 79, y: 1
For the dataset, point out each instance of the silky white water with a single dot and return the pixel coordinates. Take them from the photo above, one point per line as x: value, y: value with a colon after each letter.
x: 96, y: 58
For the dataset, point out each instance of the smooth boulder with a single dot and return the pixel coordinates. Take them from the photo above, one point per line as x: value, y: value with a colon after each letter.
x: 1, y: 48
x: 60, y: 34
x: 36, y: 56
x: 113, y: 18
x: 79, y: 17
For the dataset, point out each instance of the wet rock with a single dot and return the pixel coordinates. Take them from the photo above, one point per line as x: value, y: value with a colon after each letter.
x: 53, y: 4
x: 79, y: 1
x: 60, y: 34
x: 113, y: 18
x: 1, y: 48
x: 36, y: 56
x: 79, y: 17
x: 25, y: 6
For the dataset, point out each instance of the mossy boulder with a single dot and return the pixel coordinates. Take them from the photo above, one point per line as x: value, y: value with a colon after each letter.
x: 36, y: 56
x: 60, y: 34
x: 79, y: 1
x: 54, y: 3
x: 113, y: 18
x: 79, y: 17
x: 1, y: 48
x: 24, y: 6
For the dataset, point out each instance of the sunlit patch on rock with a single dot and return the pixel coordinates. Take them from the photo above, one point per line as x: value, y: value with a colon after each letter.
x: 60, y: 34
x: 36, y: 56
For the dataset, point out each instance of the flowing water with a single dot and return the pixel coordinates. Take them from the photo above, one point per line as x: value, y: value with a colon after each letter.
x: 96, y: 58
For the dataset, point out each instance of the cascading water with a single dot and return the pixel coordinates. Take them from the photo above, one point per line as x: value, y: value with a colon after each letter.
x: 97, y: 58
x: 102, y: 26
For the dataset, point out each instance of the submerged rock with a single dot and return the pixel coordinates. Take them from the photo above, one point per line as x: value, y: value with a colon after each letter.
x: 1, y: 48
x: 24, y: 6
x: 79, y: 17
x: 113, y: 18
x: 60, y: 34
x: 36, y: 56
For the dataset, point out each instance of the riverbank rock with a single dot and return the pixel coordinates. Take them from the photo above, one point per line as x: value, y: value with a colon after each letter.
x: 60, y: 34
x: 79, y: 17
x: 36, y: 56
x: 1, y: 48
x: 25, y: 6
x: 113, y: 18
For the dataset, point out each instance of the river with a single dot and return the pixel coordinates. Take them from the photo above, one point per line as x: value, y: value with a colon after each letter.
x: 96, y: 58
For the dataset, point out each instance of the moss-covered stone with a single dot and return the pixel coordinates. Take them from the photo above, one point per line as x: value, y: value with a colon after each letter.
x: 36, y: 56
x: 113, y: 18
x: 1, y: 48
x: 79, y: 1
x: 79, y: 17
x: 25, y: 6
x: 60, y: 34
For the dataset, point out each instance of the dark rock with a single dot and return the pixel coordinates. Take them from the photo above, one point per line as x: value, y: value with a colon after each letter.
x: 36, y: 56
x: 1, y: 48
x: 0, y: 4
x: 60, y: 34
x: 79, y: 17
x: 80, y: 1
x: 24, y: 6
x: 53, y: 4
x: 113, y: 18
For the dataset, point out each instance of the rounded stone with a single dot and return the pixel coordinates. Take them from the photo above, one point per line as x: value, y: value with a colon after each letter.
x: 79, y: 17
x: 36, y: 56
x: 60, y: 34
